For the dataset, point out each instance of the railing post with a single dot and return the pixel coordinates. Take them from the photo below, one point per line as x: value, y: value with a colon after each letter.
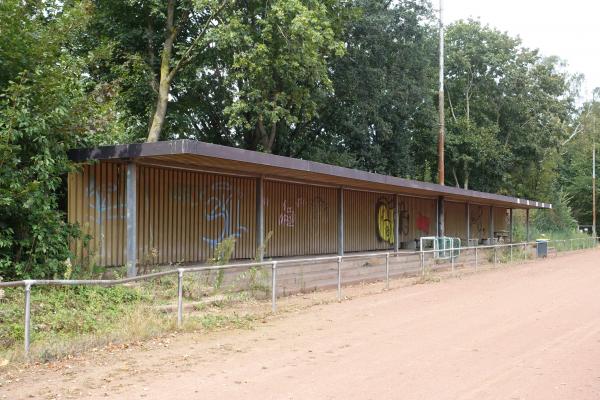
x: 387, y: 271
x: 339, y: 278
x: 495, y: 258
x: 27, y: 316
x: 422, y: 259
x: 274, y: 287
x: 476, y: 258
x: 511, y: 253
x: 179, y: 297
x: 452, y: 256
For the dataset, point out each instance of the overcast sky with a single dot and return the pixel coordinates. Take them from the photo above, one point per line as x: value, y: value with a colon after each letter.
x: 568, y: 29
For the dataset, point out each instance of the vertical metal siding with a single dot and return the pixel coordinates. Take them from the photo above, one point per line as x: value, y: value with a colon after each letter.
x: 184, y: 215
x: 417, y: 218
x: 455, y: 220
x: 360, y: 220
x: 96, y: 204
x: 480, y: 221
x: 302, y: 219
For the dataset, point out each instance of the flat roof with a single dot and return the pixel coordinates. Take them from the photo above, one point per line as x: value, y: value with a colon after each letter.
x: 196, y: 155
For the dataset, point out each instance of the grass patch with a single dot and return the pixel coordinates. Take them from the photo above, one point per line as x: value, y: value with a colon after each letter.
x: 71, y: 320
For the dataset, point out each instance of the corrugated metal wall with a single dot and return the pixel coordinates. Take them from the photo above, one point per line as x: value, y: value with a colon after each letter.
x: 455, y: 219
x: 96, y: 200
x: 417, y: 218
x: 303, y: 219
x: 360, y: 220
x: 183, y: 215
x: 479, y: 221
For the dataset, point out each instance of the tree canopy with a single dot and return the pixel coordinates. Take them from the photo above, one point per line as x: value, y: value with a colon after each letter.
x: 348, y: 82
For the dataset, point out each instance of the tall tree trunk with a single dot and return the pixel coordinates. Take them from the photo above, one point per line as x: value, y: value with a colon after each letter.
x: 164, y: 86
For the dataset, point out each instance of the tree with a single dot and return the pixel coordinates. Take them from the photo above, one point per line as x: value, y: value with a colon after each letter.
x: 509, y: 109
x: 189, y: 41
x: 576, y: 162
x: 47, y: 105
x: 381, y: 115
x: 280, y: 52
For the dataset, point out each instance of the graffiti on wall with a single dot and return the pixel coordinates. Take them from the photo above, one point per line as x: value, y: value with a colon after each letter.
x: 385, y: 221
x: 316, y: 207
x: 106, y: 209
x: 423, y: 222
x: 221, y: 206
x: 287, y: 217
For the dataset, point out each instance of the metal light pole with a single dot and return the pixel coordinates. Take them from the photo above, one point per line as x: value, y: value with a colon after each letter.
x: 594, y: 189
x: 441, y: 136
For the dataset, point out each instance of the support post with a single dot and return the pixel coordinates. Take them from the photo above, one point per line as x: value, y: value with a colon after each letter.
x: 491, y: 223
x: 594, y: 187
x: 396, y: 225
x: 260, y: 219
x: 476, y: 258
x: 510, y: 227
x: 339, y: 278
x: 179, y: 297
x: 442, y: 132
x: 422, y: 260
x: 341, y: 222
x: 131, y: 220
x: 468, y: 222
x: 440, y: 216
x: 274, y: 287
x: 387, y: 271
x: 27, y: 316
x: 527, y: 238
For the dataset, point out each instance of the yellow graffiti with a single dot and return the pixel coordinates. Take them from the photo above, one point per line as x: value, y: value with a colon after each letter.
x: 385, y: 222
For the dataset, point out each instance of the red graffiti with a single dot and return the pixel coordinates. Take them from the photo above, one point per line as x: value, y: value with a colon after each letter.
x: 423, y: 224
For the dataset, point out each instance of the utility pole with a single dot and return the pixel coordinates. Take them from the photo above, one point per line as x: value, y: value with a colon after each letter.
x: 441, y: 136
x: 594, y: 186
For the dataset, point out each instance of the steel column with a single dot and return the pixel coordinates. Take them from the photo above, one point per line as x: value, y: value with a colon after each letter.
x: 179, y: 297
x: 27, y: 316
x: 527, y: 238
x: 274, y: 287
x: 468, y: 221
x: 387, y: 270
x: 341, y: 221
x: 339, y: 278
x: 440, y: 217
x: 396, y: 225
x: 131, y: 220
x: 491, y: 226
x: 260, y: 219
x: 510, y: 229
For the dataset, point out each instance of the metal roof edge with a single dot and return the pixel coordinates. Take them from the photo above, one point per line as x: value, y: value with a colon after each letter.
x: 193, y: 147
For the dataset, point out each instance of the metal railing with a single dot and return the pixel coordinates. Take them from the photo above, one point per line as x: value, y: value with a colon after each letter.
x: 573, y: 244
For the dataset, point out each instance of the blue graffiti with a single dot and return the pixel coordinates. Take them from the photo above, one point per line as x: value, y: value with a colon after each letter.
x: 220, y: 207
x: 105, y: 210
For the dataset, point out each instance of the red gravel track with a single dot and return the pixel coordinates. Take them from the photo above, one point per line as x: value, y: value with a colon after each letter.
x: 523, y: 332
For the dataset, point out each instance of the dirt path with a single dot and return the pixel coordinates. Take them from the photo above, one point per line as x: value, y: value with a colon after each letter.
x: 522, y: 332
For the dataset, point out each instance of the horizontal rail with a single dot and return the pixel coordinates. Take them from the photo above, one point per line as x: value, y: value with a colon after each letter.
x: 274, y: 264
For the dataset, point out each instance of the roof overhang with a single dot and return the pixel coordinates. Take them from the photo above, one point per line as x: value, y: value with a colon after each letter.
x: 195, y: 155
